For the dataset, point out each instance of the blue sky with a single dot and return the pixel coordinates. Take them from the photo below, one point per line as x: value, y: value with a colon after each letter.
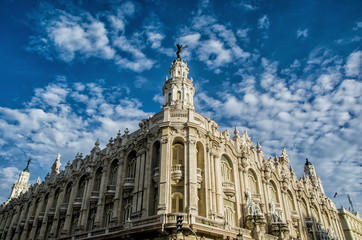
x: 289, y: 72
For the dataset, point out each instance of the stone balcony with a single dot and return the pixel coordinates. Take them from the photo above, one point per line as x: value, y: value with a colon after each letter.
x: 199, y: 177
x: 156, y: 175
x: 51, y: 212
x: 177, y: 172
x: 128, y: 183
x: 94, y: 196
x: 63, y: 208
x: 77, y: 203
x: 229, y: 188
x: 111, y: 190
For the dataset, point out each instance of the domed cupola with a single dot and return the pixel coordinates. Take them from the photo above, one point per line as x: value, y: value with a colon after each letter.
x: 178, y: 90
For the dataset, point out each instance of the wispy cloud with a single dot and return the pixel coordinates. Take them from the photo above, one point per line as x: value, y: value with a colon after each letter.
x: 264, y: 22
x: 79, y: 35
x: 317, y: 117
x: 302, y: 33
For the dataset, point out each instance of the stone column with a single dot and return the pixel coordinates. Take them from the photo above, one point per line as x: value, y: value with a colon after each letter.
x: 219, y: 193
x: 7, y: 223
x: 213, y: 182
x: 69, y: 214
x: 139, y: 181
x: 147, y: 182
x: 118, y: 198
x: 14, y: 221
x: 59, y: 203
x: 191, y: 182
x: 84, y: 211
x: 35, y: 223
x: 116, y: 216
x: 45, y: 219
x: 207, y: 183
x: 164, y: 195
x: 27, y: 217
x: 265, y: 193
x: 21, y: 218
x: 100, y: 205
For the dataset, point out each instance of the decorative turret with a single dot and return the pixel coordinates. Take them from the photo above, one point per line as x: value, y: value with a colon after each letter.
x: 312, y: 175
x: 21, y: 185
x: 178, y: 90
x: 56, y: 166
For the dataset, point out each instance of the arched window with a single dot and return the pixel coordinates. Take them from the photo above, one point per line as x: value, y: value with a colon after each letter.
x: 177, y: 202
x: 226, y: 170
x: 326, y: 222
x: 131, y: 165
x: 304, y: 208
x: 187, y: 98
x: 55, y: 199
x: 169, y: 98
x: 127, y: 209
x: 253, y: 182
x: 46, y: 198
x: 179, y: 95
x: 35, y: 206
x: 68, y: 190
x: 97, y: 179
x: 273, y: 192
x: 290, y: 201
x: 229, y: 214
x: 315, y: 214
x: 178, y: 154
x: 81, y: 187
x: 108, y: 213
x: 113, y: 173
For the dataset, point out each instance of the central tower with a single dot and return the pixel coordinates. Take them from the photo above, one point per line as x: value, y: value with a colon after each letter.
x: 178, y: 91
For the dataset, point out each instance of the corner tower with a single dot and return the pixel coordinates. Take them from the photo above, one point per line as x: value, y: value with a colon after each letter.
x: 21, y: 185
x: 178, y: 91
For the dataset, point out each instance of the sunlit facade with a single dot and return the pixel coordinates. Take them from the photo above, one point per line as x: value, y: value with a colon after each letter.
x: 176, y: 163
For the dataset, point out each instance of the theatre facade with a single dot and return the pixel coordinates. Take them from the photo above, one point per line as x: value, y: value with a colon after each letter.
x: 177, y: 165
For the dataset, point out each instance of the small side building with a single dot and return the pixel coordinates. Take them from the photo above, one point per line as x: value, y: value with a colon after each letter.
x: 351, y: 224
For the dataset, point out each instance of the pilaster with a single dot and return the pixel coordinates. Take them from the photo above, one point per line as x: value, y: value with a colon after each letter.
x: 164, y: 191
x: 191, y: 180
x: 100, y: 205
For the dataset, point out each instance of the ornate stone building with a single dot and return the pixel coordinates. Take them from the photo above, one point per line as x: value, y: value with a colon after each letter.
x: 176, y: 164
x: 351, y: 224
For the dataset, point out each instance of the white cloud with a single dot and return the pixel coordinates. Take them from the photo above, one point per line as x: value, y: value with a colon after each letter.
x: 354, y: 64
x: 140, y: 81
x: 302, y: 33
x: 71, y: 37
x: 53, y: 122
x: 317, y: 116
x: 263, y: 22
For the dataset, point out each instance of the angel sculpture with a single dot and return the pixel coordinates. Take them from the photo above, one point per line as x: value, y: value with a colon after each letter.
x: 179, y: 49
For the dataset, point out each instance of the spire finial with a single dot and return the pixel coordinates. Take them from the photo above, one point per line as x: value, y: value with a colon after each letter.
x: 236, y: 131
x: 97, y: 143
x: 26, y: 169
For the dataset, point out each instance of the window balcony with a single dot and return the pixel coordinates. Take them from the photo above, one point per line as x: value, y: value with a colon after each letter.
x: 77, y: 203
x: 156, y: 175
x: 199, y: 177
x: 177, y: 171
x: 111, y: 190
x: 229, y: 188
x: 63, y: 208
x: 51, y: 212
x: 128, y: 183
x: 94, y: 196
